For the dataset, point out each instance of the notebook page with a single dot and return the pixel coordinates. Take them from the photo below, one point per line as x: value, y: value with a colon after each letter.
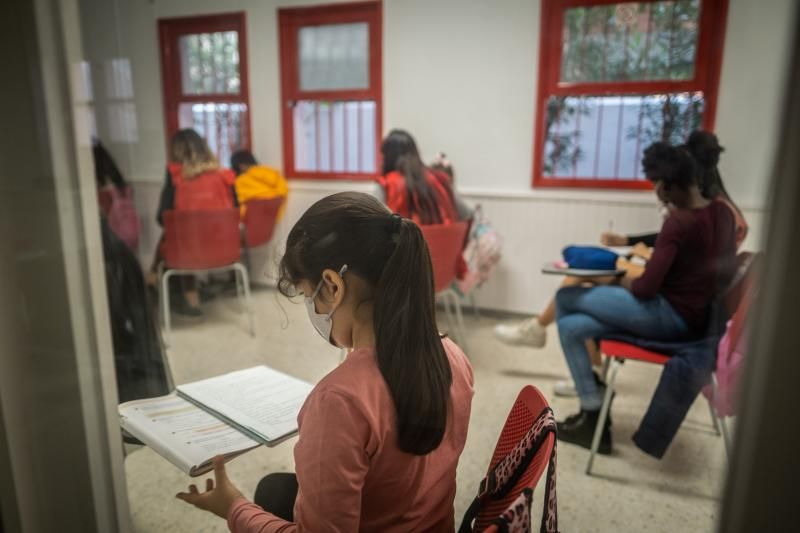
x: 261, y: 400
x: 181, y: 432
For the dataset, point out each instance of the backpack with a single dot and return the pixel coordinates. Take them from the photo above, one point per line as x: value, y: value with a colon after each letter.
x: 505, y: 474
x: 482, y: 253
x: 122, y: 217
x: 141, y: 367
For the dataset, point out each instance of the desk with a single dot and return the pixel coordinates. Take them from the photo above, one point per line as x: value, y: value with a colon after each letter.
x: 552, y: 268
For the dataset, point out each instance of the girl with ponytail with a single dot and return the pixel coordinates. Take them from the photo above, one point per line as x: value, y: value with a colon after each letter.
x: 705, y: 150
x: 381, y: 434
x: 410, y: 188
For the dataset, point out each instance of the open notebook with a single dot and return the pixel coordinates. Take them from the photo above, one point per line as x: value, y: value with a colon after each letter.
x: 224, y: 415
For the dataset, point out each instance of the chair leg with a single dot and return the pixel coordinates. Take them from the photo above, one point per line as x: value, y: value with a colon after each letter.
x: 248, y: 302
x: 712, y: 401
x: 165, y: 314
x: 447, y: 312
x: 462, y: 330
x: 726, y: 438
x: 239, y: 289
x: 606, y: 364
x: 474, y: 303
x: 719, y: 422
x: 601, y: 421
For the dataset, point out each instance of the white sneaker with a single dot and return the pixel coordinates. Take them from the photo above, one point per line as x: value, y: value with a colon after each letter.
x: 528, y: 333
x: 565, y: 388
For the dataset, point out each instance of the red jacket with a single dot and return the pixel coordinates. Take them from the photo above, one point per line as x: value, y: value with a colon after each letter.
x: 209, y: 190
x: 397, y: 198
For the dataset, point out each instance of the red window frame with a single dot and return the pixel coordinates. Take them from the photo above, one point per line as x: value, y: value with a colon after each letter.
x: 169, y: 31
x: 708, y: 63
x: 290, y: 20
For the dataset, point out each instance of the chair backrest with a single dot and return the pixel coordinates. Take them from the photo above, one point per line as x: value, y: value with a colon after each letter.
x: 201, y: 239
x: 526, y: 409
x: 728, y: 299
x: 259, y: 220
x: 445, y: 243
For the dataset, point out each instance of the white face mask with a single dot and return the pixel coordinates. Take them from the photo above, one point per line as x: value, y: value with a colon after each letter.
x: 323, y: 323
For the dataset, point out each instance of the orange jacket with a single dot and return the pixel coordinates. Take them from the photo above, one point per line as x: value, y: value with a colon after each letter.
x: 261, y: 183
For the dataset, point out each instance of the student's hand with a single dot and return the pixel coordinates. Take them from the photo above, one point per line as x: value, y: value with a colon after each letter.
x: 640, y: 249
x: 627, y: 280
x: 218, y: 497
x: 632, y: 270
x: 613, y: 239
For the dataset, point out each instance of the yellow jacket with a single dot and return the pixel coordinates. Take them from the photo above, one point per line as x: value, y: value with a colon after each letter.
x: 261, y: 183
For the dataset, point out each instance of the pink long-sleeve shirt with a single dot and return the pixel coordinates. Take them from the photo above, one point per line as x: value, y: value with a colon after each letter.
x: 350, y: 472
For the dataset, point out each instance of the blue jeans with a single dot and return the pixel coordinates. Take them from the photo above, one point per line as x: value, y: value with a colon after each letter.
x: 586, y: 313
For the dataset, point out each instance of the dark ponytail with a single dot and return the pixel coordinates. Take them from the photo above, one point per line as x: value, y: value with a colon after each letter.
x: 390, y: 254
x: 705, y: 149
x: 409, y: 348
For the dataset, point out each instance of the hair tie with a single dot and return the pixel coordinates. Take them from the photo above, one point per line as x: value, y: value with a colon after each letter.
x: 396, y: 221
x: 394, y: 228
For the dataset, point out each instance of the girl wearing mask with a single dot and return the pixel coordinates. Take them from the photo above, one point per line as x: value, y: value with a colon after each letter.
x: 380, y: 436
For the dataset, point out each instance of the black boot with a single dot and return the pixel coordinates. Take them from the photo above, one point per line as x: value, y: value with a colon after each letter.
x: 571, y: 419
x: 579, y: 429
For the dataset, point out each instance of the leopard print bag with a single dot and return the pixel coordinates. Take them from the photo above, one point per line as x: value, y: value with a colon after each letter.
x: 502, y: 478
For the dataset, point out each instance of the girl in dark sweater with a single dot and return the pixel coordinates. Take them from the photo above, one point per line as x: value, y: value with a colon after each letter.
x: 693, y: 258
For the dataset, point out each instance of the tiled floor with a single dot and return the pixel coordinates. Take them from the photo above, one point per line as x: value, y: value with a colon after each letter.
x: 629, y: 491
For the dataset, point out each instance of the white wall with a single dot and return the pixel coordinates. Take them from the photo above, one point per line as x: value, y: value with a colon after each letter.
x: 757, y: 46
x: 461, y: 76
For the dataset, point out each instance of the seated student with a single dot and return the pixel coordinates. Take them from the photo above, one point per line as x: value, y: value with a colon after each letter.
x: 705, y: 149
x: 411, y: 189
x: 381, y: 434
x: 693, y: 258
x: 115, y: 197
x: 194, y: 182
x: 257, y: 182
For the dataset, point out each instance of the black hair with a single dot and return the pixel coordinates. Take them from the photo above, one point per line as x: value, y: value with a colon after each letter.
x: 105, y: 169
x: 242, y: 157
x: 400, y: 154
x: 705, y: 149
x: 390, y: 254
x: 669, y: 164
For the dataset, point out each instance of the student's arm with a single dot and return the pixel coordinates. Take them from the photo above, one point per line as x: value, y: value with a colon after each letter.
x: 167, y: 200
x: 331, y: 459
x: 648, y: 239
x: 666, y: 248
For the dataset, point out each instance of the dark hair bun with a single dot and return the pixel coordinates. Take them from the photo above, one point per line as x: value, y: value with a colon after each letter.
x: 704, y: 147
x: 668, y: 164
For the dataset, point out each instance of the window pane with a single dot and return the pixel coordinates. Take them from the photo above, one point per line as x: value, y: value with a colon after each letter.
x: 210, y: 63
x: 334, y: 57
x: 335, y: 136
x: 602, y: 137
x: 631, y: 41
x: 224, y: 126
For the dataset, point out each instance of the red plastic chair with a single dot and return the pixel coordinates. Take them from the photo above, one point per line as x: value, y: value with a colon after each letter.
x: 527, y: 407
x: 445, y: 244
x: 617, y: 352
x: 202, y: 241
x: 259, y: 221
